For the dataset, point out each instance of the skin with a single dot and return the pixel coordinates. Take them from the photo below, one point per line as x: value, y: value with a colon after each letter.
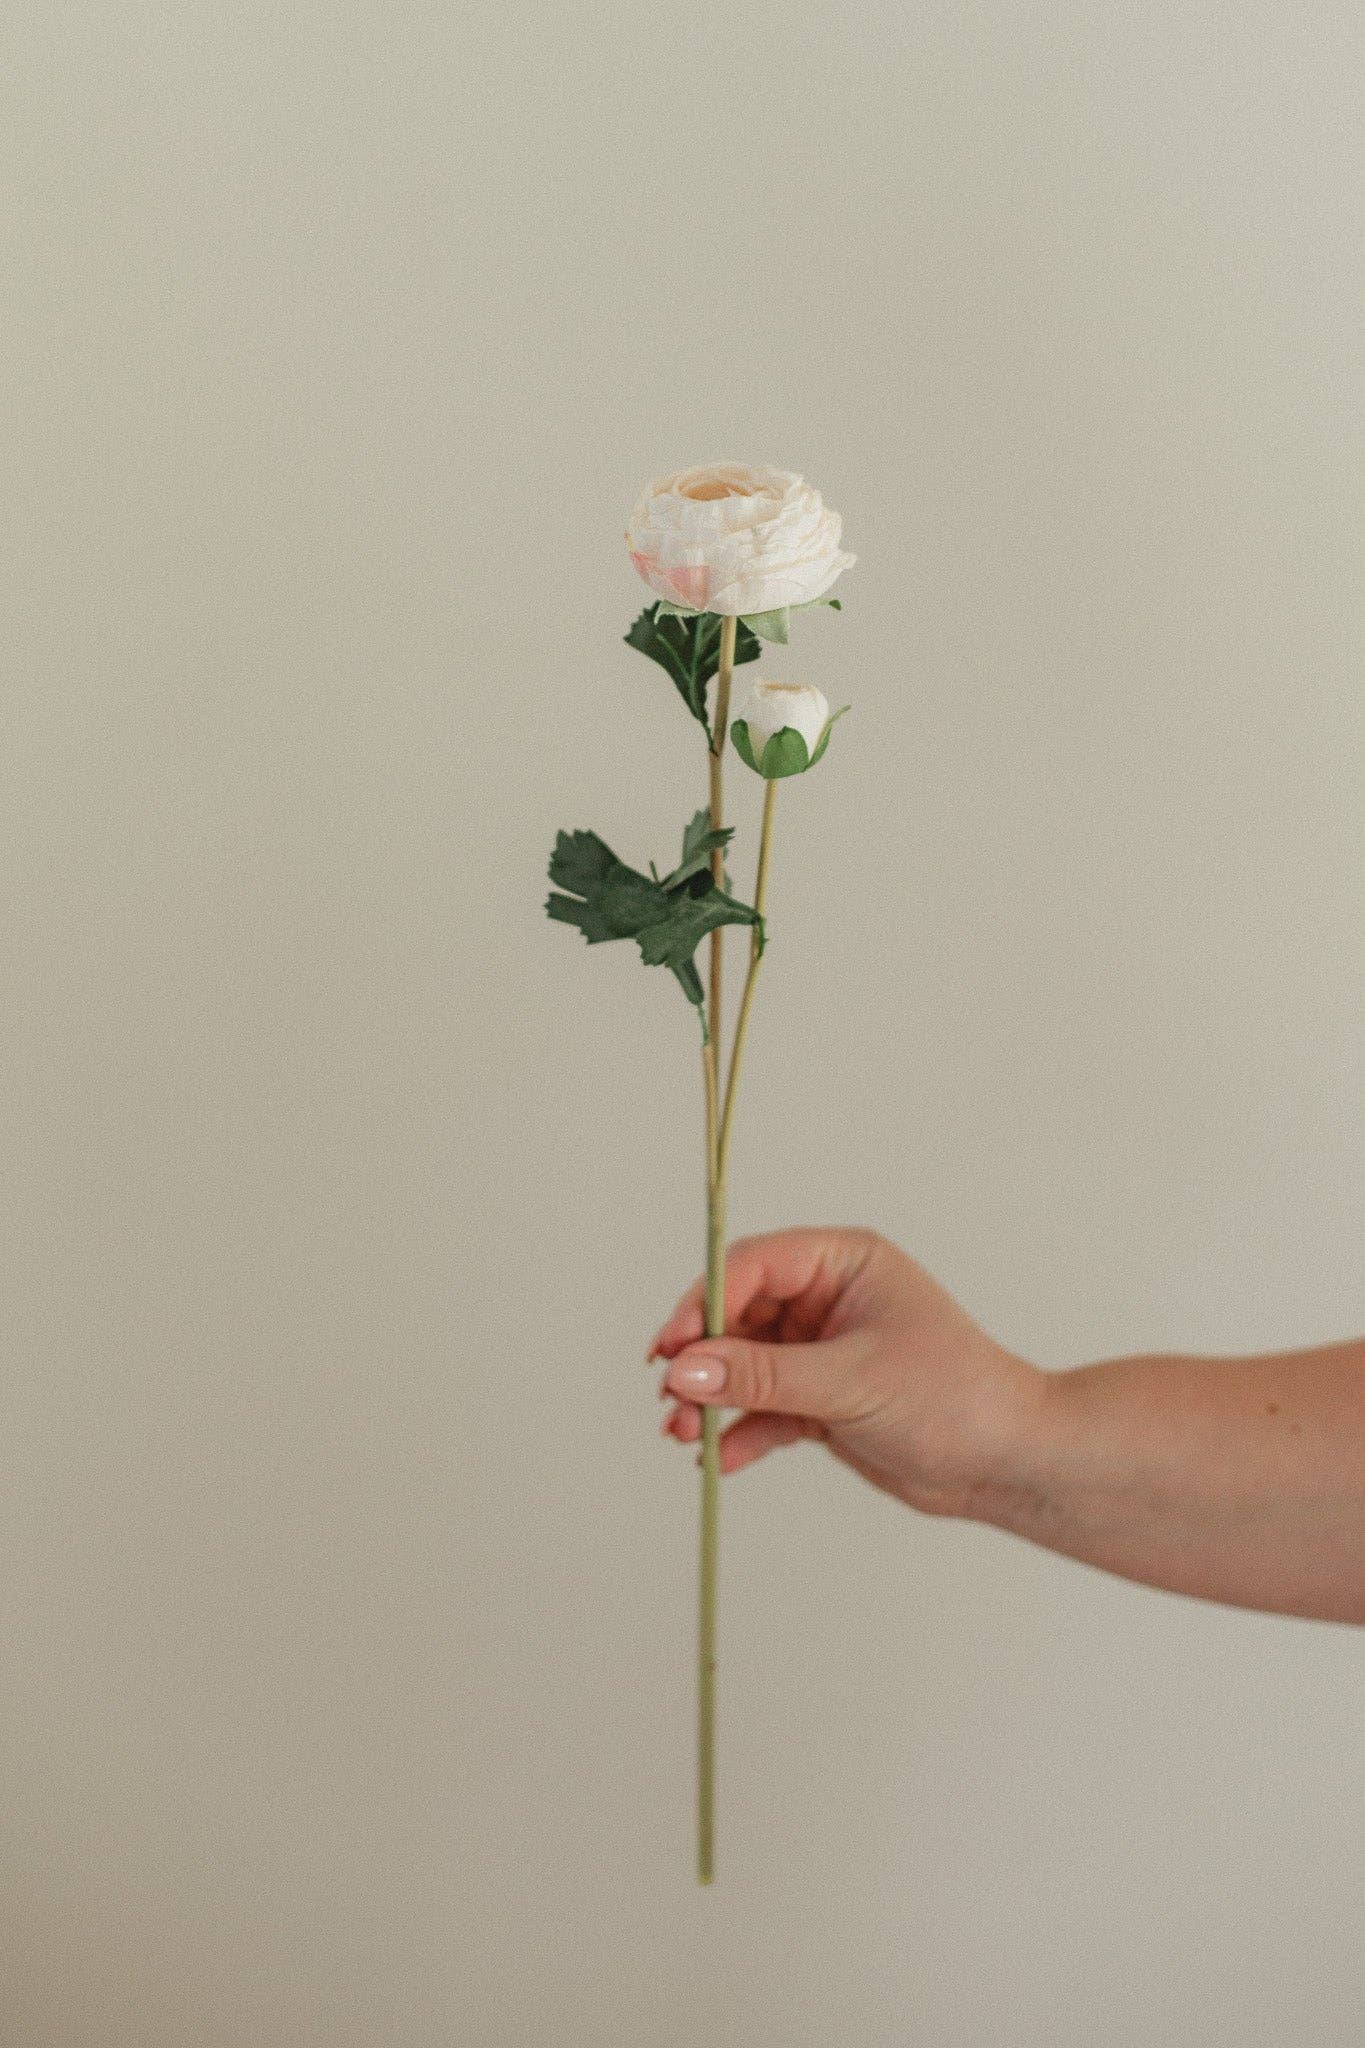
x: 1240, y: 1480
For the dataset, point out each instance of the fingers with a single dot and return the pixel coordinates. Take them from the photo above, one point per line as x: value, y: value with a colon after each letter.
x: 745, y: 1441
x: 753, y: 1436
x: 683, y: 1422
x: 821, y: 1382
x: 766, y: 1275
x: 684, y: 1326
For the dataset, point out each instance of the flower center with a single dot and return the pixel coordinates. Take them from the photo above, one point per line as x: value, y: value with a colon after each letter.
x: 704, y: 493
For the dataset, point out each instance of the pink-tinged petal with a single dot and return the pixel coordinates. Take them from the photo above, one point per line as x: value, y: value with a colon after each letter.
x: 688, y: 584
x: 732, y: 539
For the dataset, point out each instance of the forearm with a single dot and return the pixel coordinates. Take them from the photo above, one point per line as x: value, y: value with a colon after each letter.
x: 1240, y: 1480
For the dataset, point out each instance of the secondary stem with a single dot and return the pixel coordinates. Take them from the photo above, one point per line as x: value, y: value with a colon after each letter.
x: 765, y: 846
x: 715, y: 1305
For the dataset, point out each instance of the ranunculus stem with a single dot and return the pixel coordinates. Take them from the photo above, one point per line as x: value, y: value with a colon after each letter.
x: 719, y: 733
x: 715, y: 1304
x: 718, y: 1153
x: 765, y: 847
x: 710, y: 1537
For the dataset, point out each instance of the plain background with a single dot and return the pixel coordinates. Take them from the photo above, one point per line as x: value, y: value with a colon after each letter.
x: 347, y: 1589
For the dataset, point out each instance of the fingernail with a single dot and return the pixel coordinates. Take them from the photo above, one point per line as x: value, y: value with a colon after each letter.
x: 694, y: 1376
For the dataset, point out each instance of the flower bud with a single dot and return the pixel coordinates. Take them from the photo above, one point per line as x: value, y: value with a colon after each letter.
x: 784, y: 729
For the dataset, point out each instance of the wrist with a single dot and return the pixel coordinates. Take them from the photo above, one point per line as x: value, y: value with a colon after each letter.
x: 1014, y: 1426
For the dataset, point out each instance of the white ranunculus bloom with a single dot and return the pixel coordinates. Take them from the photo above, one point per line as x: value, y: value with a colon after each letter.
x: 736, y: 540
x: 774, y: 705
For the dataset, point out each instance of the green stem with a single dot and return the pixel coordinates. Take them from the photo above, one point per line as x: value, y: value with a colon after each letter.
x: 715, y: 1307
x: 710, y: 1538
x: 715, y: 1325
x: 765, y: 847
x: 719, y: 724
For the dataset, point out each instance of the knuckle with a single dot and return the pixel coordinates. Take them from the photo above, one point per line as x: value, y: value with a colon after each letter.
x: 759, y: 1373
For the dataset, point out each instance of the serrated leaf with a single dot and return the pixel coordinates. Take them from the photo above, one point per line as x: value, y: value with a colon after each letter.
x: 687, y: 645
x: 677, y: 936
x: 581, y: 861
x: 699, y: 843
x: 674, y: 940
x: 698, y: 833
x: 605, y: 899
x: 689, y: 981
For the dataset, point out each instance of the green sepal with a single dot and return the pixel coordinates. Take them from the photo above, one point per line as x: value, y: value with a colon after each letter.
x: 784, y: 754
x: 687, y: 645
x: 773, y: 625
x: 830, y: 723
x: 776, y: 625
x: 739, y: 733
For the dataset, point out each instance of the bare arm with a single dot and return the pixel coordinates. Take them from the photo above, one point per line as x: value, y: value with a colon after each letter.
x: 1237, y: 1479
x: 1240, y: 1480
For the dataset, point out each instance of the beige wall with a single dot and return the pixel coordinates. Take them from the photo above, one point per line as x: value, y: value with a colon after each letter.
x: 347, y: 1590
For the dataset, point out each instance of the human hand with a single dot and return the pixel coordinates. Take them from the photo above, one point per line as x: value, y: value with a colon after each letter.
x: 839, y: 1337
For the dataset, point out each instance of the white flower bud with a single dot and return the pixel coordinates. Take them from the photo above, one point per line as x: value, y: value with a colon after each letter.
x: 774, y: 705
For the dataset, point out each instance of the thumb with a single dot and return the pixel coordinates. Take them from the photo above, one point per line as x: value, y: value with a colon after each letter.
x: 822, y: 1381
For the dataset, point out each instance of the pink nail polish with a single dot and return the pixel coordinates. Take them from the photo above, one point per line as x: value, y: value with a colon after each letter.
x: 696, y: 1377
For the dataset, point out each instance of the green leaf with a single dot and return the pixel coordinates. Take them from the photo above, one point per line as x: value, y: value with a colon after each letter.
x: 675, y: 938
x: 699, y: 843
x: 617, y: 903
x: 785, y: 754
x: 830, y: 724
x: 605, y: 899
x: 687, y: 645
